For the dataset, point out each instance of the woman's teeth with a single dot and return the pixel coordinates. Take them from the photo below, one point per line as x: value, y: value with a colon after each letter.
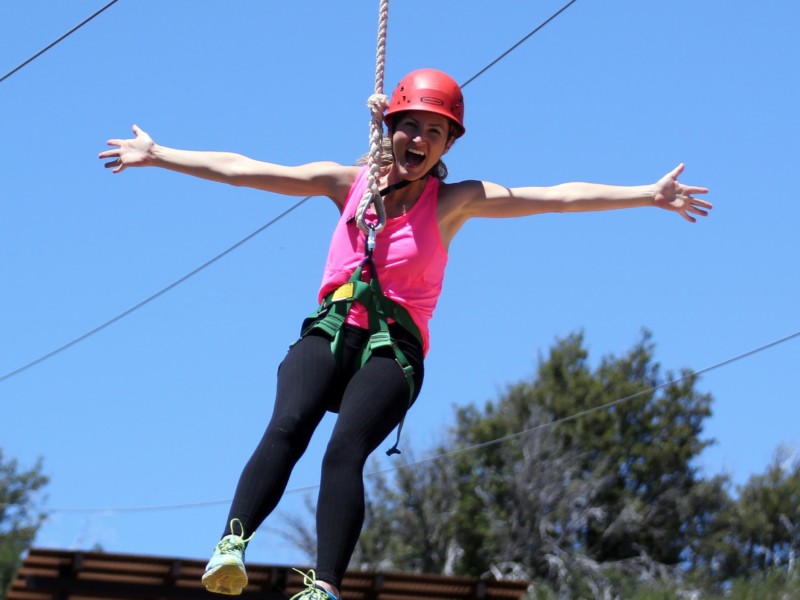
x: 415, y: 156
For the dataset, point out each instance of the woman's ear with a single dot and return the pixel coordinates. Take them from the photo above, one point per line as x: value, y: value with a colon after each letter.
x: 450, y: 141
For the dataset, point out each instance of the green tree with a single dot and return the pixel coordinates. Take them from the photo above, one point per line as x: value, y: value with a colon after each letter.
x: 584, y: 497
x: 19, y: 516
x: 762, y: 528
x: 632, y: 461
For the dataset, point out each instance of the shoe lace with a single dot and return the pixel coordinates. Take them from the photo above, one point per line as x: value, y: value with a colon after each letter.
x: 312, y: 592
x: 234, y: 542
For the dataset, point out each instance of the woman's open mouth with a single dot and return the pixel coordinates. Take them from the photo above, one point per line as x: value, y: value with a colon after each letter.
x: 415, y: 158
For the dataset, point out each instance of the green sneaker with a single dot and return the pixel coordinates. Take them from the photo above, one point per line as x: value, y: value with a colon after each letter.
x: 225, y: 572
x: 312, y: 591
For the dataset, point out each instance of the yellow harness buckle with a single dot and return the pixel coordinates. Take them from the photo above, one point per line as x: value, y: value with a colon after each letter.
x: 344, y: 292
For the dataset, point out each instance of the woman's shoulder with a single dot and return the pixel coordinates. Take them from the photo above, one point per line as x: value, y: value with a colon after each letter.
x: 335, y: 178
x: 333, y: 171
x: 453, y: 206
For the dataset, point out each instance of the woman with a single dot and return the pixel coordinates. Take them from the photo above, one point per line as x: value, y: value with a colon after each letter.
x: 424, y: 118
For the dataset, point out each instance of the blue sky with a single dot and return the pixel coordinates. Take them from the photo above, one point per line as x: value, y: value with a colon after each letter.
x: 143, y: 428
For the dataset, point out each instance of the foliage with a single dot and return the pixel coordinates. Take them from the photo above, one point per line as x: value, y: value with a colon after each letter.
x: 777, y: 584
x: 19, y: 517
x: 583, y: 480
x: 760, y: 532
x: 580, y: 478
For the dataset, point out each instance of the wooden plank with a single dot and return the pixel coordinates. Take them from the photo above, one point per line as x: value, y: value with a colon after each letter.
x: 48, y: 574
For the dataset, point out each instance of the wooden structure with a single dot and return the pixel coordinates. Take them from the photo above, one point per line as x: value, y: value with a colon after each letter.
x: 76, y: 575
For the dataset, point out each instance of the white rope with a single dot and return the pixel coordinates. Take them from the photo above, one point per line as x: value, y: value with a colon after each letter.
x: 377, y: 104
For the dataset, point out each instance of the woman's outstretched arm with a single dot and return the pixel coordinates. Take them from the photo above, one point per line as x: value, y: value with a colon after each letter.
x: 312, y: 179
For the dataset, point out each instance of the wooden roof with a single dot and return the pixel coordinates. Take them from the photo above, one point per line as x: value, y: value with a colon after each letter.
x: 73, y: 575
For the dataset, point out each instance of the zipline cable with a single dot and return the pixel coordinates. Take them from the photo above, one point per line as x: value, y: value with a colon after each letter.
x: 465, y: 449
x: 613, y: 403
x: 519, y: 43
x: 149, y: 299
x: 70, y: 32
x: 248, y: 238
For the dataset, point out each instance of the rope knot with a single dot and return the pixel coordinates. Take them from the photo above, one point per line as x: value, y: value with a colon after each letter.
x: 378, y: 103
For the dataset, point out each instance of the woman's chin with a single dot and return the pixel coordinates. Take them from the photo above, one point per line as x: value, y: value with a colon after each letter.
x: 413, y: 170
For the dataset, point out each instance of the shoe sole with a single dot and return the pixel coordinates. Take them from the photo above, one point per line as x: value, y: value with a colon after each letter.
x: 225, y: 579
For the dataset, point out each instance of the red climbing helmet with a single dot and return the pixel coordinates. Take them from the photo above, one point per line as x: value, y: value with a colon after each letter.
x: 432, y: 91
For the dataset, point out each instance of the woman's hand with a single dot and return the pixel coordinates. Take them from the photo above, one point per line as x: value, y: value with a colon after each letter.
x: 672, y: 195
x: 136, y: 152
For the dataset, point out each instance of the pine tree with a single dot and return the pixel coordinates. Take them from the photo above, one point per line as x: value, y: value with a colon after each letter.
x: 19, y: 517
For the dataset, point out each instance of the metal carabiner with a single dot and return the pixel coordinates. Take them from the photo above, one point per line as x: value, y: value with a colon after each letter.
x: 370, y: 245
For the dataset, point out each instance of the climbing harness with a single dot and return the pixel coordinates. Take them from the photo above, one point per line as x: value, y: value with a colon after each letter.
x: 332, y: 313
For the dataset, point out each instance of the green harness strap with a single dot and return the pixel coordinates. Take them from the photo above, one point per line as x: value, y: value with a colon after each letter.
x: 332, y: 313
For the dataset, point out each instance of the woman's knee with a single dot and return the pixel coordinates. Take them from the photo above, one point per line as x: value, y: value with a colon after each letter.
x: 345, y: 456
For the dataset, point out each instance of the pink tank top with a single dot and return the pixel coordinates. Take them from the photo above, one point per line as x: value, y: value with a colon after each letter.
x: 409, y: 256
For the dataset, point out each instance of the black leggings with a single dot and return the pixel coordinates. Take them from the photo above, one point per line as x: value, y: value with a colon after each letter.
x: 371, y: 402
